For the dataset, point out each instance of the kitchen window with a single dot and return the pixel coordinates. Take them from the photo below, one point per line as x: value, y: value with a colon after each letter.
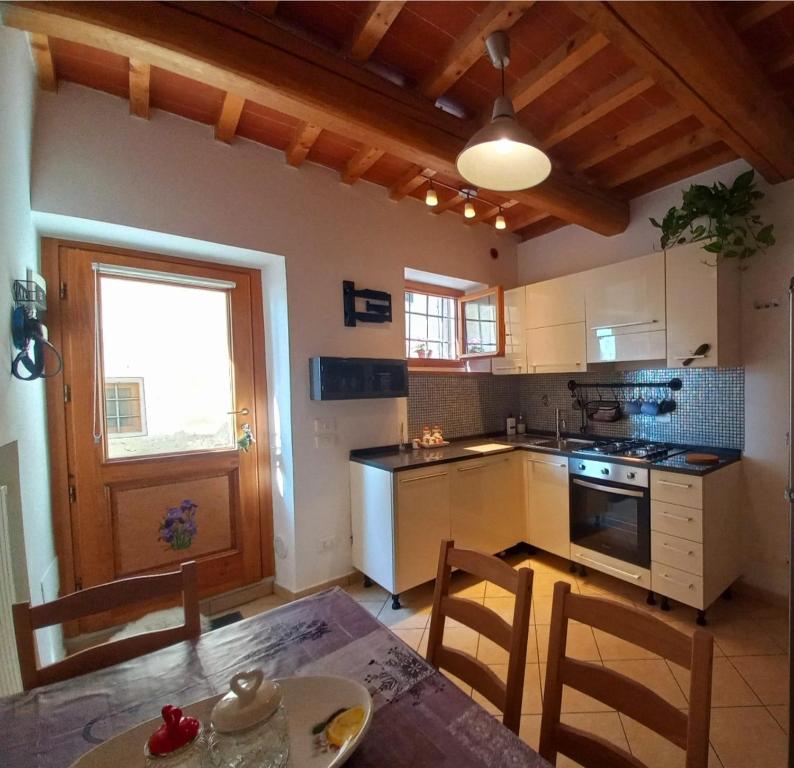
x: 431, y: 325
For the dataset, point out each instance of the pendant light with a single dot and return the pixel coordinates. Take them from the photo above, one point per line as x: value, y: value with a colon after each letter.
x: 431, y: 198
x: 469, y: 211
x: 503, y: 155
x: 500, y: 222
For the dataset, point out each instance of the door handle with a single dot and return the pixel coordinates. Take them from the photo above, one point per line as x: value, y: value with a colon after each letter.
x: 469, y: 469
x: 608, y: 489
x: 689, y: 552
x: 677, y: 517
x: 424, y: 477
x: 241, y: 412
x: 547, y: 463
x: 635, y: 576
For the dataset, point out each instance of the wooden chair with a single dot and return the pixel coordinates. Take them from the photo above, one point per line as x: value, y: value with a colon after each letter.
x: 96, y: 600
x: 691, y: 732
x: 507, y: 696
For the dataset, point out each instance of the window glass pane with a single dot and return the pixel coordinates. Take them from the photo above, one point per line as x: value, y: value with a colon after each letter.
x: 472, y: 310
x: 430, y: 326
x: 434, y: 329
x: 177, y: 362
x: 418, y: 302
x: 488, y: 331
x: 418, y: 327
x: 435, y: 305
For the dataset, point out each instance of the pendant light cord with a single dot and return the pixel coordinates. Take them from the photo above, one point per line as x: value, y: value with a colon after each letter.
x: 97, y: 378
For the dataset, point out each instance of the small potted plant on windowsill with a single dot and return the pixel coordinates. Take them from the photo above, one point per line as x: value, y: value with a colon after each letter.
x: 423, y: 351
x: 721, y: 216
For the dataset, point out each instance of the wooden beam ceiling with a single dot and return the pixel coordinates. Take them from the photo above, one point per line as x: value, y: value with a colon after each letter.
x: 574, y: 52
x: 302, y: 141
x: 525, y: 219
x: 372, y: 26
x: 760, y: 11
x: 471, y: 45
x: 45, y: 64
x: 229, y: 117
x: 292, y: 76
x: 697, y: 57
x: 484, y: 214
x: 140, y: 76
x: 410, y: 181
x: 455, y: 198
x: 360, y: 163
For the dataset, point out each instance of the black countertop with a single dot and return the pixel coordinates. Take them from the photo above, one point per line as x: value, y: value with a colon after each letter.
x: 391, y: 459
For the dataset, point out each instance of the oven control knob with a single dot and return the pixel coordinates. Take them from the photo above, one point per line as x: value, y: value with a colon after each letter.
x: 631, y: 475
x: 604, y: 471
x: 582, y: 466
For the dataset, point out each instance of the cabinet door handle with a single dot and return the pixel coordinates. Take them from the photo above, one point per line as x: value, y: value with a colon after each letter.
x: 676, y: 549
x: 675, y: 581
x: 677, y: 517
x: 547, y: 463
x: 469, y: 469
x: 635, y: 576
x: 674, y: 485
x: 423, y: 477
x: 689, y: 357
x: 622, y: 325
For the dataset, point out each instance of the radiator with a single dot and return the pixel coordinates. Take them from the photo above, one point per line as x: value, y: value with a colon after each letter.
x: 10, y: 681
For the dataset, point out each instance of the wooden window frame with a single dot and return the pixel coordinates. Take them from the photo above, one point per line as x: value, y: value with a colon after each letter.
x: 437, y: 290
x: 499, y: 293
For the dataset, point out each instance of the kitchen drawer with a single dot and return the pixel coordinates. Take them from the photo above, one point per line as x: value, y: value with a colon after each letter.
x: 677, y: 584
x: 685, y: 522
x: 680, y: 553
x: 677, y: 488
x: 634, y: 574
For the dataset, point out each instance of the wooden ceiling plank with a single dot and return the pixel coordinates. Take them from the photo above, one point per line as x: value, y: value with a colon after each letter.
x: 360, y: 163
x: 372, y: 26
x: 410, y: 181
x: 759, y: 12
x: 267, y: 7
x: 632, y: 135
x: 598, y: 104
x: 530, y: 216
x: 327, y: 91
x: 490, y: 212
x: 471, y: 45
x: 302, y: 142
x: 658, y: 158
x: 574, y: 52
x: 444, y: 205
x: 45, y: 63
x: 226, y: 126
x: 692, y: 52
x: 140, y: 78
x: 782, y: 61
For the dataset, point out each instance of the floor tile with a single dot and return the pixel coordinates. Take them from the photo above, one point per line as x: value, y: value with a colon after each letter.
x: 654, y: 750
x: 404, y: 618
x: 373, y: 608
x: 461, y: 638
x: 543, y: 582
x: 616, y: 649
x: 748, y: 736
x: 728, y: 687
x: 411, y: 637
x: 766, y: 675
x: 529, y: 730
x: 262, y: 604
x: 581, y: 643
x: 494, y: 590
x: 503, y: 606
x: 745, y: 637
x: 541, y: 609
x: 363, y: 594
x: 464, y: 585
x: 653, y: 674
x: 491, y: 653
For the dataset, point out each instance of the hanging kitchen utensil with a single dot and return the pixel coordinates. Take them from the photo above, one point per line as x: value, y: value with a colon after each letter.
x: 604, y: 410
x: 701, y: 351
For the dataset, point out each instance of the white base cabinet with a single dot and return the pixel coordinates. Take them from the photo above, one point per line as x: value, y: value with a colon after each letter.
x: 547, y: 503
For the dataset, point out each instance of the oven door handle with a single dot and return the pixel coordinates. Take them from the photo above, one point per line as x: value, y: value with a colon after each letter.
x: 608, y: 489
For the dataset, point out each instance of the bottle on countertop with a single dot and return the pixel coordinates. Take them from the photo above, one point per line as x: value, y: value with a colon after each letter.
x: 511, y: 425
x: 521, y: 427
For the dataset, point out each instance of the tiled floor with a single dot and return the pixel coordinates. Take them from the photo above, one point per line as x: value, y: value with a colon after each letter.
x: 750, y: 707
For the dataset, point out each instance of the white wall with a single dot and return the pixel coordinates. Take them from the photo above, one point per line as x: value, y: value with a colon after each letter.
x: 764, y: 340
x: 22, y: 404
x: 92, y: 160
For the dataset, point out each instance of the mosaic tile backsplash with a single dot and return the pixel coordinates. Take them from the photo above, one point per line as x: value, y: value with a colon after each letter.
x: 709, y: 408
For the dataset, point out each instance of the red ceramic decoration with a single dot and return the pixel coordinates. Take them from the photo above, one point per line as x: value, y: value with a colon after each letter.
x: 175, y: 732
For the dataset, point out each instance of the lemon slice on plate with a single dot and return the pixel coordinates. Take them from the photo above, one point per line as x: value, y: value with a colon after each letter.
x: 345, y: 726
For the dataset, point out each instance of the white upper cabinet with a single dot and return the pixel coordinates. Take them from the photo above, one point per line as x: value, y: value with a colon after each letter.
x: 515, y: 357
x: 625, y: 310
x: 557, y: 349
x: 556, y: 302
x: 702, y: 308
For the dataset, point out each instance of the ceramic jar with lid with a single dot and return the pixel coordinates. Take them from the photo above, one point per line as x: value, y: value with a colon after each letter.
x: 249, y: 724
x: 179, y: 742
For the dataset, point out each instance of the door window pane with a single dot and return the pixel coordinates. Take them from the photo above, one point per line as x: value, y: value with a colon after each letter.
x: 166, y: 367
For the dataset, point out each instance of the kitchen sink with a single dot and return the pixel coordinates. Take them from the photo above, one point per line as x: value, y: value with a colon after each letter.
x: 566, y: 444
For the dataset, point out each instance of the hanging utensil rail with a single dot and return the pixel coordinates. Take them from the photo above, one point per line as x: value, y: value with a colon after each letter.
x: 673, y: 384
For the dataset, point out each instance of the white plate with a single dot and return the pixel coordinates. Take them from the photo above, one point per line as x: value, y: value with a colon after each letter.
x: 307, y: 700
x: 489, y: 448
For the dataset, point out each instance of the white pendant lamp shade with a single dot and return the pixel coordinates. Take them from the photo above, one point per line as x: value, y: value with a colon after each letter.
x: 503, y: 156
x: 431, y: 198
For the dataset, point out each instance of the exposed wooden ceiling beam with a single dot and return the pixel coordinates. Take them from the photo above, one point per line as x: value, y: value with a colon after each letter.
x: 140, y: 76
x: 758, y: 12
x: 574, y: 52
x: 316, y: 87
x: 471, y: 45
x: 524, y: 219
x: 372, y: 26
x: 444, y: 205
x: 229, y: 117
x: 782, y: 61
x: 631, y: 135
x: 410, y: 181
x: 595, y: 106
x: 691, y: 51
x: 45, y: 64
x: 360, y: 163
x: 266, y: 7
x: 302, y: 142
x: 488, y: 213
x: 658, y: 158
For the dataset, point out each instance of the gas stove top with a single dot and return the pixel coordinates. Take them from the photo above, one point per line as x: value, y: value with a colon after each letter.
x: 633, y: 450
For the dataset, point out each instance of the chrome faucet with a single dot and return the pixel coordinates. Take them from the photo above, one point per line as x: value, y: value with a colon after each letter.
x: 559, y: 423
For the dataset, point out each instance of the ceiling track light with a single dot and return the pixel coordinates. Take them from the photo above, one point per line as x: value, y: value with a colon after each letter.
x: 469, y: 211
x: 500, y: 222
x: 431, y: 198
x: 503, y: 155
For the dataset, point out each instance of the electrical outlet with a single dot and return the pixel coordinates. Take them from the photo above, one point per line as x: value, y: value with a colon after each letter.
x: 324, y: 441
x: 324, y: 426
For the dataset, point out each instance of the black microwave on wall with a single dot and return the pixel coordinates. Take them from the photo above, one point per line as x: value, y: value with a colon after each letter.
x: 357, y: 378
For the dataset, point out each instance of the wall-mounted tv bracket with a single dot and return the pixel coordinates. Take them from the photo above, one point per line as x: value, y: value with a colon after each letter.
x: 377, y: 304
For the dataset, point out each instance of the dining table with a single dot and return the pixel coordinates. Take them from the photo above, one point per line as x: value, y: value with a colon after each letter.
x: 420, y: 718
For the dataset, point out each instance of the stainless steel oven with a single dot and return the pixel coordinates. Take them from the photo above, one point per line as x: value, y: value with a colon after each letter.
x: 611, y: 510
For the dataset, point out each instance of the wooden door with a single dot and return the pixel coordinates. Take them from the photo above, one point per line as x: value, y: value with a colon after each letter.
x: 160, y: 376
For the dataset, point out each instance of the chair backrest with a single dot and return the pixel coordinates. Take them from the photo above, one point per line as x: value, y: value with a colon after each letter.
x: 624, y: 694
x: 95, y: 600
x: 506, y: 696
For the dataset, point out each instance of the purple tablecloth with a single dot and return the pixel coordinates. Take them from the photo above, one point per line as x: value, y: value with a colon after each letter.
x: 420, y: 718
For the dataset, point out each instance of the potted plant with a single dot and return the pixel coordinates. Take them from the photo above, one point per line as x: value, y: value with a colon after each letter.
x: 723, y: 217
x: 423, y: 351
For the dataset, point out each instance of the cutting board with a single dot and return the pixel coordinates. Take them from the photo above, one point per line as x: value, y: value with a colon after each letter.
x: 702, y: 458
